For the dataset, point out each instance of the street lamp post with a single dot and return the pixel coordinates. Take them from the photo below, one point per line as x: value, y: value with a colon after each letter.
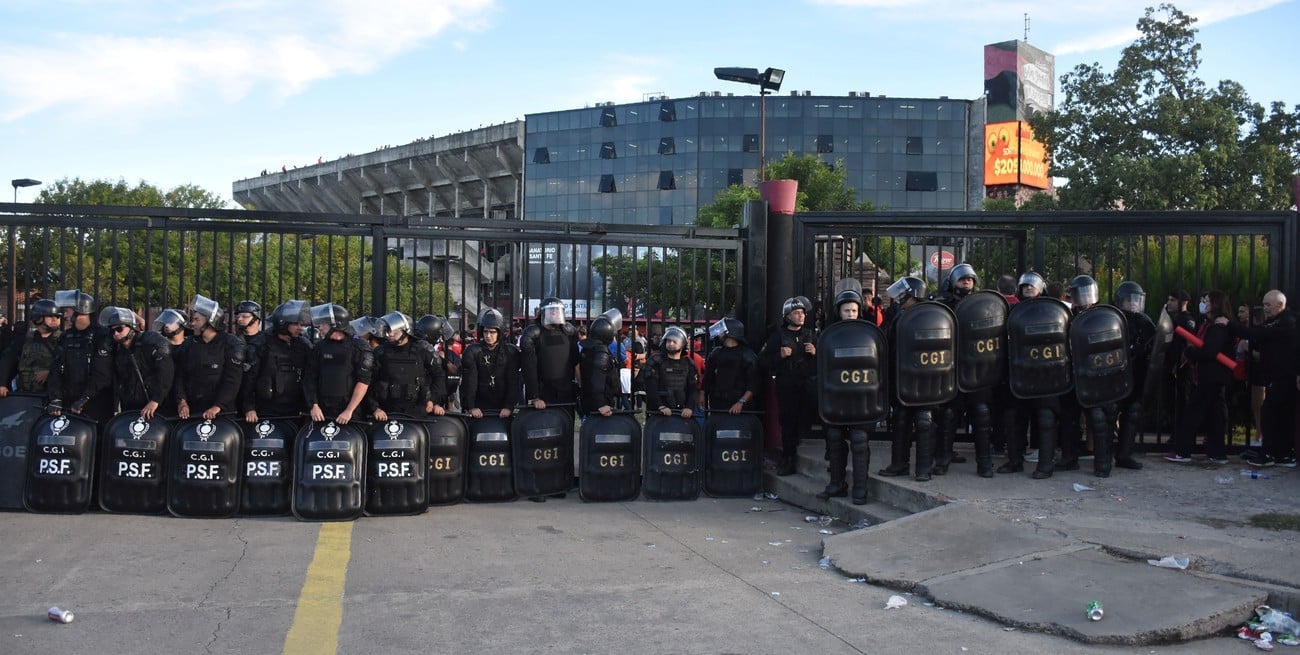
x: 13, y: 259
x: 767, y: 81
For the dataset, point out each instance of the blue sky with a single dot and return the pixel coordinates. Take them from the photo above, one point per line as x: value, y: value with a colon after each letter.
x: 179, y: 92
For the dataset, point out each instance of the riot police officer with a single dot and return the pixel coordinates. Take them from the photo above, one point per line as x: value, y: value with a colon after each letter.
x: 1039, y: 374
x: 961, y: 281
x: 339, y: 368
x: 490, y: 371
x: 840, y: 438
x: 407, y: 379
x: 30, y: 355
x: 142, y: 370
x: 790, y: 355
x: 670, y: 377
x: 732, y: 373
x: 1083, y: 293
x: 209, y: 365
x: 601, y: 388
x: 1131, y: 299
x: 437, y: 332
x: 248, y: 322
x: 367, y: 329
x: 83, y: 349
x: 549, y: 356
x: 274, y: 383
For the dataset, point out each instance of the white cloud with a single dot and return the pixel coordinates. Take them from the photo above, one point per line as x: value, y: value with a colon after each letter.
x: 130, y: 62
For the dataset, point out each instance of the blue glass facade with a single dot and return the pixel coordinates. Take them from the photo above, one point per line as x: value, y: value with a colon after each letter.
x: 655, y: 162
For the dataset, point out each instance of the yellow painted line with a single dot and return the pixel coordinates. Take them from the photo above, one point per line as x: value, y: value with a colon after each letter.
x: 319, y: 615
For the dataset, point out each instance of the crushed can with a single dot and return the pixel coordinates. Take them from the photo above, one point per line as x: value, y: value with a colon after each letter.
x: 1094, y: 611
x: 59, y: 616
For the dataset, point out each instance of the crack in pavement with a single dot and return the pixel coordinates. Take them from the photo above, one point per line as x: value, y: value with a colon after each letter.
x: 237, y: 529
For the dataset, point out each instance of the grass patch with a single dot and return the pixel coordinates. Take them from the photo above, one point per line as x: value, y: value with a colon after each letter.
x: 1276, y: 521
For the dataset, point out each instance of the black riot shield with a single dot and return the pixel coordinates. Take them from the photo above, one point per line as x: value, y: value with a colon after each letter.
x: 131, y: 458
x: 852, y: 386
x: 489, y: 469
x: 1038, y: 350
x: 329, y: 472
x: 672, y: 467
x: 543, y: 450
x: 18, y: 413
x: 1099, y: 352
x: 395, y: 483
x: 924, y: 355
x: 204, y: 467
x: 268, y: 456
x: 60, y: 465
x: 733, y: 454
x: 981, y: 341
x: 448, y: 439
x: 1155, y: 367
x: 609, y: 456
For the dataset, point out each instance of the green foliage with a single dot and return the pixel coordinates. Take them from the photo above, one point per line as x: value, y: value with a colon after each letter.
x: 727, y: 207
x: 105, y: 193
x: 1151, y: 135
x: 823, y: 187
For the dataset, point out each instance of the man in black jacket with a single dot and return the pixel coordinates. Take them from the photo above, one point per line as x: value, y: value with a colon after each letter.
x: 1276, y: 342
x: 790, y: 356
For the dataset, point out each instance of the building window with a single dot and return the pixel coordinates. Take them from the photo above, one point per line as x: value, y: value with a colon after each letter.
x: 607, y: 117
x: 735, y: 176
x: 922, y: 181
x: 666, y: 181
x: 667, y: 146
x: 668, y: 111
x: 750, y: 143
x: 607, y: 184
x: 914, y: 146
x: 607, y: 150
x: 825, y: 143
x: 542, y: 156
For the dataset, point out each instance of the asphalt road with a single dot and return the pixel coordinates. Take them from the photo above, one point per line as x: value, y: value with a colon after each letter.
x: 716, y: 576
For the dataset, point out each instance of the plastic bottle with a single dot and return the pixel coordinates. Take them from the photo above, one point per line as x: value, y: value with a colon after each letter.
x: 1276, y: 621
x: 1255, y: 475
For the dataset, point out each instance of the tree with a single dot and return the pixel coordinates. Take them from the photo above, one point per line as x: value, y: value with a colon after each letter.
x: 823, y: 187
x: 1151, y: 135
x: 143, y: 194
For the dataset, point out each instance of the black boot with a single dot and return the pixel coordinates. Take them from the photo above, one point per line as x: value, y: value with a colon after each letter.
x: 924, y: 445
x: 1127, y: 434
x: 1102, y: 433
x: 899, y: 447
x: 837, y: 457
x: 983, y: 452
x: 861, y: 464
x: 945, y: 430
x: 1047, y: 426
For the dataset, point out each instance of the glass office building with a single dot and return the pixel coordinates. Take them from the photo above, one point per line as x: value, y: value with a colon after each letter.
x: 656, y: 162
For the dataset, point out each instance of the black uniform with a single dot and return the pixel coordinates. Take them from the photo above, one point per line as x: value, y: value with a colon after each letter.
x: 208, y: 373
x: 1141, y: 335
x: 548, y: 357
x: 728, y: 374
x: 140, y: 374
x: 796, y: 393
x: 670, y: 383
x: 599, y: 373
x: 407, y: 377
x: 79, y: 355
x: 334, y: 368
x: 273, y: 384
x: 489, y: 377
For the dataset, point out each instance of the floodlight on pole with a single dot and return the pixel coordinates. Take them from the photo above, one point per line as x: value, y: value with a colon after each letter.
x: 767, y: 81
x: 23, y: 182
x: 12, y: 305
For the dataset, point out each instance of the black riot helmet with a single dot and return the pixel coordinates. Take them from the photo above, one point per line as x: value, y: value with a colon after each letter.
x: 906, y: 287
x: 331, y: 316
x: 76, y: 300
x: 42, y: 308
x: 211, y: 312
x: 1130, y: 297
x: 393, y: 326
x: 249, y: 307
x: 791, y: 304
x: 491, y: 319
x: 429, y: 328
x: 111, y: 317
x: 169, y: 322
x: 550, y: 313
x: 365, y: 327
x: 727, y: 327
x: 959, y: 273
x: 1083, y: 292
x: 674, y: 336
x: 1031, y: 279
x: 606, y: 326
x: 289, y: 313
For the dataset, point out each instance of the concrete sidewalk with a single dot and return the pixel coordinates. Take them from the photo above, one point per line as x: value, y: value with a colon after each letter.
x: 1032, y: 553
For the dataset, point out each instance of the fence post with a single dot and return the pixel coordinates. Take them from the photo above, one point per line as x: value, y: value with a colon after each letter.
x: 378, y: 270
x: 753, y: 286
